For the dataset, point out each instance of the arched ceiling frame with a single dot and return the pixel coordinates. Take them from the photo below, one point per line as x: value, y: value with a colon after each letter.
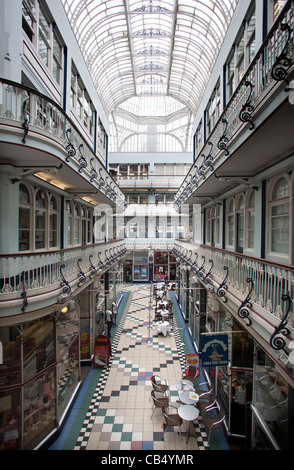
x: 130, y: 45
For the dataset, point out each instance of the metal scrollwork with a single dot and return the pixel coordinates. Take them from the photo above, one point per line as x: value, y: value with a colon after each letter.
x: 25, y: 124
x: 82, y: 160
x: 23, y: 294
x: 280, y: 68
x: 208, y: 277
x: 223, y: 140
x: 243, y: 310
x: 64, y: 284
x: 71, y: 151
x: 201, y: 269
x: 221, y: 291
x: 81, y: 275
x: 208, y: 159
x: 278, y: 342
x: 247, y: 108
x: 201, y: 171
x: 93, y: 172
x: 93, y: 270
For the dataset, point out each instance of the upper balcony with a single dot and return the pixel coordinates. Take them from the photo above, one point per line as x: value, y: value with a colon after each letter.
x: 38, y: 280
x: 37, y: 137
x: 257, y: 291
x: 255, y: 130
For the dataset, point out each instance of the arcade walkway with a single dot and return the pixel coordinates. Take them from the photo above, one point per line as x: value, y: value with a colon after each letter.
x: 113, y: 410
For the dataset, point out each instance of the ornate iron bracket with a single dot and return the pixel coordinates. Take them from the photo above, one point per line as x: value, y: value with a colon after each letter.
x: 223, y: 140
x: 25, y: 124
x: 82, y: 160
x: 280, y: 68
x: 195, y: 262
x: 64, y: 284
x: 71, y: 151
x: 277, y: 342
x: 208, y: 159
x: 201, y: 171
x: 221, y: 291
x: 101, y: 179
x: 23, y: 294
x: 247, y: 108
x: 201, y: 269
x: 243, y: 310
x: 208, y: 277
x: 93, y: 270
x: 81, y: 275
x: 93, y: 172
x: 101, y: 264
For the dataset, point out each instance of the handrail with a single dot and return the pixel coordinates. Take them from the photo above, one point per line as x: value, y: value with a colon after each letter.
x: 257, y: 79
x: 49, y: 116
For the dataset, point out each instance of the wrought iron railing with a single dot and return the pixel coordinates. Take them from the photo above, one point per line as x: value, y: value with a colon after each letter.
x: 267, y: 284
x: 270, y: 67
x: 25, y: 275
x: 30, y: 110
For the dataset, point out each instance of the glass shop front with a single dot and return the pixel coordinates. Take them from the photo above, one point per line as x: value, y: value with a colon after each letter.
x: 38, y: 377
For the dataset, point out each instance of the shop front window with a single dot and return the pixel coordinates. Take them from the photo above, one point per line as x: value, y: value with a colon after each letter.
x: 270, y: 399
x: 38, y: 346
x: 10, y: 418
x: 67, y: 332
x: 67, y: 375
x: 39, y: 408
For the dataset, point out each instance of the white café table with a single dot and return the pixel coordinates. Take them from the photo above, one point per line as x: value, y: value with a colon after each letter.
x: 188, y: 397
x: 184, y: 384
x: 163, y: 327
x: 164, y: 313
x: 188, y: 413
x: 164, y: 303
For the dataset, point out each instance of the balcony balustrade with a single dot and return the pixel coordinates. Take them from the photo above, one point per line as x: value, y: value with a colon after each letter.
x: 268, y: 74
x: 27, y: 276
x: 23, y: 110
x: 251, y: 283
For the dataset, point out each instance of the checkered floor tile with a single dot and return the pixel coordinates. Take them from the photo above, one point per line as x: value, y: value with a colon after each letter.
x: 121, y: 415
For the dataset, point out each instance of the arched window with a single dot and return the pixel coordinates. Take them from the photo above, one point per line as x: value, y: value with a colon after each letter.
x: 40, y: 219
x: 230, y: 223
x: 250, y: 216
x: 215, y: 225
x: 208, y: 226
x: 279, y: 207
x: 77, y: 224
x: 53, y: 222
x: 89, y: 226
x: 24, y: 218
x: 84, y: 225
x: 69, y: 211
x: 240, y: 223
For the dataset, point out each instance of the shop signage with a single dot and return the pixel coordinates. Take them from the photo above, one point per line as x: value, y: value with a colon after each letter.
x: 192, y: 360
x: 214, y: 350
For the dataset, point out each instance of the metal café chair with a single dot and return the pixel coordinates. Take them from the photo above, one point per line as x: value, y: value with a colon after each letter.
x: 214, y: 422
x: 204, y: 406
x: 159, y: 384
x: 171, y: 418
x: 159, y: 402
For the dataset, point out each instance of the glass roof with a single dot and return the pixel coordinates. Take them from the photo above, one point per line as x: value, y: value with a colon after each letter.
x: 150, y: 61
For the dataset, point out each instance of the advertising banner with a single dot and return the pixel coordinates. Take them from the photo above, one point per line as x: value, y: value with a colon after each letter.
x: 214, y: 350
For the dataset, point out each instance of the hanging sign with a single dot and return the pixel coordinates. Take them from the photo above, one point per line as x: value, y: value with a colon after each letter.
x: 214, y: 350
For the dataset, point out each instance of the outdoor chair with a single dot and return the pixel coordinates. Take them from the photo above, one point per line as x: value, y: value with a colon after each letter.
x: 171, y: 418
x: 159, y: 384
x: 159, y: 402
x: 214, y: 422
x: 204, y: 406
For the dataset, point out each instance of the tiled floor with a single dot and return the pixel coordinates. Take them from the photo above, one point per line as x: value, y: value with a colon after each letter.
x: 121, y: 415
